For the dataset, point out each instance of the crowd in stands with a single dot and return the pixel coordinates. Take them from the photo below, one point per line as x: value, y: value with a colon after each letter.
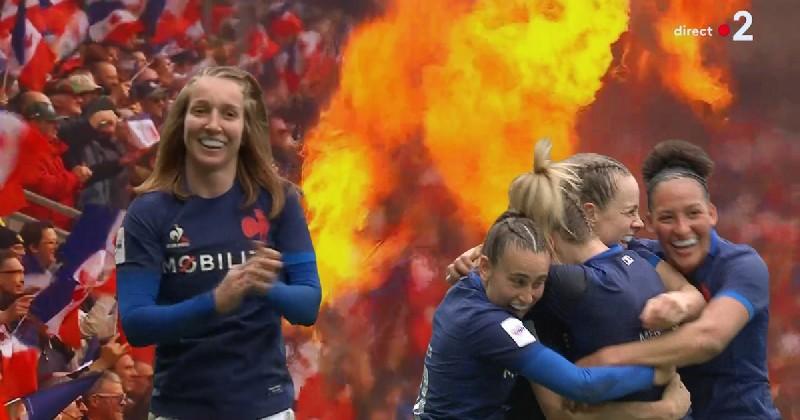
x: 97, y: 114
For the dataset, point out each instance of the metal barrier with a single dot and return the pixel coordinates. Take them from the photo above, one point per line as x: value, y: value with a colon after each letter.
x: 16, y: 220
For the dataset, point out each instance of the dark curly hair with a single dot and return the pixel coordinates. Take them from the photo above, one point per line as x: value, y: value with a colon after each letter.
x: 674, y: 159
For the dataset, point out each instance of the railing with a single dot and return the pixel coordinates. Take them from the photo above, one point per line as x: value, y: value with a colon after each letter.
x: 16, y: 220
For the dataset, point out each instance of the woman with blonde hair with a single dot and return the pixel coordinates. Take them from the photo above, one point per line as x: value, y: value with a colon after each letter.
x: 213, y: 252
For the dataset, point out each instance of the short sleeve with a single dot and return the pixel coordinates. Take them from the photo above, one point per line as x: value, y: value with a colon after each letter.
x: 292, y: 237
x: 501, y: 338
x: 566, y: 286
x: 746, y: 279
x: 138, y: 243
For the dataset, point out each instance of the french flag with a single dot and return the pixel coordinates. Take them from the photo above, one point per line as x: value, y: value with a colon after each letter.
x: 111, y: 21
x: 48, y: 403
x: 88, y: 256
x: 20, y: 361
x: 33, y: 58
x: 20, y: 151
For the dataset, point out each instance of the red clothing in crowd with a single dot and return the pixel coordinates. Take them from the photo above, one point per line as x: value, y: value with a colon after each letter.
x: 54, y: 181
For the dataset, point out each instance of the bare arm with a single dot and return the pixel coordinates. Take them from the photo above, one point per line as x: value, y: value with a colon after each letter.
x: 674, y: 404
x: 694, y: 342
x: 681, y: 303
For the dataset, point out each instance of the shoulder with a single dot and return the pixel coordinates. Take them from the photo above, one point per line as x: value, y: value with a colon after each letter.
x: 734, y: 258
x: 151, y: 206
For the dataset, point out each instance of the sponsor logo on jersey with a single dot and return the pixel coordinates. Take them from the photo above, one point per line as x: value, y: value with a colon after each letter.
x: 205, y: 262
x: 627, y: 259
x: 517, y: 331
x: 177, y: 238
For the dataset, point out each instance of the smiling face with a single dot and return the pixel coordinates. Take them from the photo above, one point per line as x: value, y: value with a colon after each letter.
x: 619, y: 220
x: 214, y: 125
x: 682, y: 218
x: 516, y: 282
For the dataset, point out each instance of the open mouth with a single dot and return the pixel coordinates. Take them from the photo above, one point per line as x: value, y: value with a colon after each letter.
x: 684, y: 243
x: 625, y: 239
x: 521, y: 309
x: 212, y: 143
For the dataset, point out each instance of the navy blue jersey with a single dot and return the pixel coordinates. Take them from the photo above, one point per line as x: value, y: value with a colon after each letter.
x: 212, y: 366
x: 478, y: 348
x: 606, y: 310
x: 734, y: 384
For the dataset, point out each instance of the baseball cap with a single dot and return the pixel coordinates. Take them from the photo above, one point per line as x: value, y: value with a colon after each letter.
x: 40, y: 111
x: 83, y: 83
x: 147, y: 89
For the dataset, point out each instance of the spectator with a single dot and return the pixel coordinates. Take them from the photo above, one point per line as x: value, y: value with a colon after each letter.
x: 54, y: 180
x: 92, y: 143
x: 13, y: 304
x: 41, y: 242
x: 70, y: 95
x: 12, y: 241
x: 106, y: 400
x: 153, y: 99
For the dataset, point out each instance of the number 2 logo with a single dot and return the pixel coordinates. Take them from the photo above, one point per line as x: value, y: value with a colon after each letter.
x: 741, y: 34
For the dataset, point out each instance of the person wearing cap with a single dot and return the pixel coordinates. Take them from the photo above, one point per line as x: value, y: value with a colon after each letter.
x: 93, y: 142
x: 54, y: 181
x: 153, y: 99
x: 12, y: 241
x: 71, y: 94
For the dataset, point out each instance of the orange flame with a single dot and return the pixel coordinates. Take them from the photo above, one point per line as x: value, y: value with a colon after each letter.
x: 476, y: 85
x: 692, y: 68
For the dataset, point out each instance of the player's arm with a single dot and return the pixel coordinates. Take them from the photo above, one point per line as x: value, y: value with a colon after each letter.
x: 297, y: 299
x: 746, y: 290
x: 139, y: 258
x: 508, y: 343
x: 674, y: 404
x: 681, y: 303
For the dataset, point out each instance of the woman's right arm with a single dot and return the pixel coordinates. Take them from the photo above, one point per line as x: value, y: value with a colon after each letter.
x: 590, y: 385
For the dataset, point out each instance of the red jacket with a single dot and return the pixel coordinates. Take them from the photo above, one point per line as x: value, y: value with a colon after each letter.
x: 55, y: 182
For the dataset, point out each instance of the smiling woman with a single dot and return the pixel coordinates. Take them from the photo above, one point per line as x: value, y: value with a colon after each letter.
x: 723, y: 351
x: 212, y: 254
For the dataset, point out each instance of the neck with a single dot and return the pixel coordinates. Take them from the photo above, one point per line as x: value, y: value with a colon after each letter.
x: 211, y: 184
x: 572, y: 253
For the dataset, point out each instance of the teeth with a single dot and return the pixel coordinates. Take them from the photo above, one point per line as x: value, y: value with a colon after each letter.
x: 520, y: 308
x: 627, y: 238
x: 211, y: 143
x: 684, y: 243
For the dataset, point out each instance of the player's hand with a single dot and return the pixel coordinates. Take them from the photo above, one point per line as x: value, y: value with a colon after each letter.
x: 663, y: 312
x: 263, y: 268
x: 663, y: 374
x: 677, y: 397
x: 463, y: 264
x: 231, y: 290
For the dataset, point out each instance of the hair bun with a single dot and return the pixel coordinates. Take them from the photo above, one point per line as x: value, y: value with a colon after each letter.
x: 541, y: 156
x: 677, y: 154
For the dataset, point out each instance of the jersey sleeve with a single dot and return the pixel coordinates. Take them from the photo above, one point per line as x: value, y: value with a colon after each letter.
x: 746, y: 279
x: 299, y: 297
x: 566, y: 286
x: 500, y: 338
x: 292, y: 238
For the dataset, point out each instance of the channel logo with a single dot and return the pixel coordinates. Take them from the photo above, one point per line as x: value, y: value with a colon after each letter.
x: 743, y: 18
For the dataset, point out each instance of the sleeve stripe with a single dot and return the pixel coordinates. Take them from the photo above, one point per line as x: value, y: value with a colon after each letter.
x: 741, y: 299
x: 293, y: 258
x: 653, y: 259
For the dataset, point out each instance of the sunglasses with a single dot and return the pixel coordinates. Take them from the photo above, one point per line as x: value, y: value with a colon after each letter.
x: 120, y: 399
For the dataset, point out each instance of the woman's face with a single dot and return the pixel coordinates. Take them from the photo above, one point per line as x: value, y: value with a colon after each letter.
x: 516, y: 282
x: 214, y: 124
x: 619, y: 221
x: 682, y: 218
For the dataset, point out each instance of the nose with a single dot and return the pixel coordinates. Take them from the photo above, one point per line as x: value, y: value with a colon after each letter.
x: 681, y: 226
x: 637, y: 224
x: 212, y: 124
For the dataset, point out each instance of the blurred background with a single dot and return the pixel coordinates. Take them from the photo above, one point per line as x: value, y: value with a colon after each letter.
x: 404, y: 122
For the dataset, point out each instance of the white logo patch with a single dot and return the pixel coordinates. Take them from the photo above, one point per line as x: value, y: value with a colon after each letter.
x: 627, y: 259
x: 517, y: 331
x: 119, y: 246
